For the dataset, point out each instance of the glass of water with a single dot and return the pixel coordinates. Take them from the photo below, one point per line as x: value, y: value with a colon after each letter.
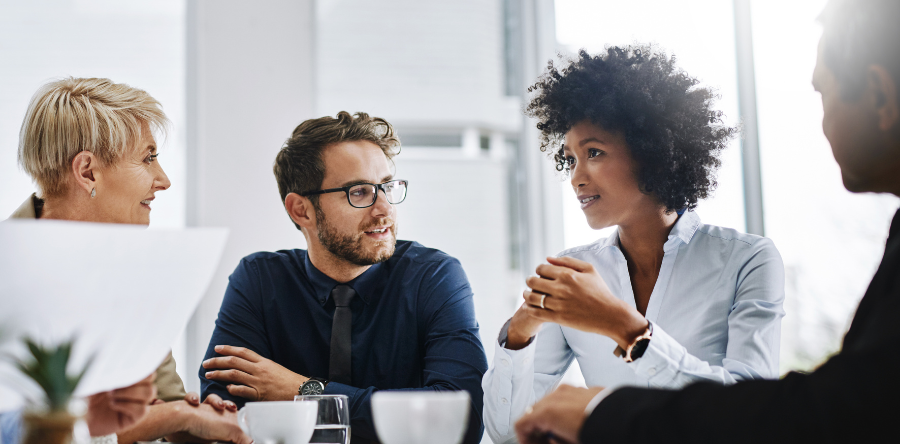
x: 333, y: 421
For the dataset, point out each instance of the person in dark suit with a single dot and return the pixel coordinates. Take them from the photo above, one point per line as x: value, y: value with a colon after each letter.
x: 852, y: 396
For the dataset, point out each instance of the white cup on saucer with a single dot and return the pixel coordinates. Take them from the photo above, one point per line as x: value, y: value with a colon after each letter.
x: 279, y: 422
x: 415, y: 417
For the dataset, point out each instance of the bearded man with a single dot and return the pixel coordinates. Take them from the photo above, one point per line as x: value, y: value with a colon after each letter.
x: 358, y: 311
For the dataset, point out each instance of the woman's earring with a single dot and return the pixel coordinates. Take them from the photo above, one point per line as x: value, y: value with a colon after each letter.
x: 93, y: 192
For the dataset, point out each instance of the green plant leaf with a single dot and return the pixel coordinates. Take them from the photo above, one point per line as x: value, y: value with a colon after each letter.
x: 47, y: 367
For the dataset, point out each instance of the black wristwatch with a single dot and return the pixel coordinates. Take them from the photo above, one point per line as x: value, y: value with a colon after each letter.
x: 637, y: 347
x: 313, y: 386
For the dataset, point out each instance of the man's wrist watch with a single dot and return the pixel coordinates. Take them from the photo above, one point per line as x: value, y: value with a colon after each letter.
x: 637, y: 347
x: 313, y: 386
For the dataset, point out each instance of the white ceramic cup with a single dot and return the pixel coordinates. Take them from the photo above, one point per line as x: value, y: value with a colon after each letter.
x: 413, y: 417
x: 279, y: 422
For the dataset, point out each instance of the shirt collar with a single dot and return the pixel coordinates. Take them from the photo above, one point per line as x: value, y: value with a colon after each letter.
x: 366, y: 285
x: 612, y: 240
x: 30, y: 209
x: 684, y: 229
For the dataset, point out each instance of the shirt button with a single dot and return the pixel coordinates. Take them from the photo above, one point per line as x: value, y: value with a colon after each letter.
x: 651, y: 371
x: 525, y: 361
x: 505, y: 361
x: 504, y: 401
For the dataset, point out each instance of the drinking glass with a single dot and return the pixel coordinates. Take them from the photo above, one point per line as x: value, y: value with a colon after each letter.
x: 333, y: 420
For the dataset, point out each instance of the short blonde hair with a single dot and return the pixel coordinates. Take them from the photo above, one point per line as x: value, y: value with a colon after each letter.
x: 68, y: 116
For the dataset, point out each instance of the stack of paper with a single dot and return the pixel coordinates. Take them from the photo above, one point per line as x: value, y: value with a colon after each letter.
x: 124, y: 293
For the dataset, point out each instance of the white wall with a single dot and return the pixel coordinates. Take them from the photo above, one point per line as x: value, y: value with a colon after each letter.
x: 413, y: 62
x: 249, y: 84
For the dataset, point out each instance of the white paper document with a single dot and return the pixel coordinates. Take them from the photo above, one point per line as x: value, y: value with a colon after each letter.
x: 123, y: 293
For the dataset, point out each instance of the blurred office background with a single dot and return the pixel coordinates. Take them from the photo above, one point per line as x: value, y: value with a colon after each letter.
x: 235, y: 77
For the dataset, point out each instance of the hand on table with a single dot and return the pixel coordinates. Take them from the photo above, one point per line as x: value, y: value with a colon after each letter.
x: 574, y: 295
x: 252, y: 376
x: 205, y: 423
x: 111, y: 411
x: 557, y: 418
x: 213, y: 399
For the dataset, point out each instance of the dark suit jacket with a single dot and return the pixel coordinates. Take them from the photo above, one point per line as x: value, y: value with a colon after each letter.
x: 853, y: 397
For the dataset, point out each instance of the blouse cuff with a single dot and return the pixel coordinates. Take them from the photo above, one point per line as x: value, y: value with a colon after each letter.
x: 660, y: 362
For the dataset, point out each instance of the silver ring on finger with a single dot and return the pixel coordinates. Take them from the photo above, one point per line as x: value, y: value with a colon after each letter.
x: 543, y: 296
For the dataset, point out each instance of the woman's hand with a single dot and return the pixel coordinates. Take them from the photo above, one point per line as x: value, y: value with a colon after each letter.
x: 111, y: 411
x: 204, y: 423
x: 212, y: 399
x: 188, y: 420
x: 574, y: 295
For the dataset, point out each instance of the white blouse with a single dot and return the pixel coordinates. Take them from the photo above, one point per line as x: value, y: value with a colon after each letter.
x: 716, y: 311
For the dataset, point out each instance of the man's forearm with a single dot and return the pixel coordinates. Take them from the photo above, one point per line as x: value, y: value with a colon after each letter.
x: 161, y: 420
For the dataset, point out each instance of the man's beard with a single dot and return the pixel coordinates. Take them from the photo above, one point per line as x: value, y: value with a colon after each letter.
x: 349, y: 247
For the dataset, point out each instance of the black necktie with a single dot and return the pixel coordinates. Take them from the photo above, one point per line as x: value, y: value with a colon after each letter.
x: 339, y: 366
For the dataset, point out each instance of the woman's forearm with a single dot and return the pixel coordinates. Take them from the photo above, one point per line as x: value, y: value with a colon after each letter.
x: 161, y: 420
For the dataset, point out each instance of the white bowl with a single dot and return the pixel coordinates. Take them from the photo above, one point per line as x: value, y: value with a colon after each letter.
x: 286, y: 422
x: 415, y: 417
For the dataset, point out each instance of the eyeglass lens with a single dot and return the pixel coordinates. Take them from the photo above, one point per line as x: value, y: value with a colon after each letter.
x: 364, y: 195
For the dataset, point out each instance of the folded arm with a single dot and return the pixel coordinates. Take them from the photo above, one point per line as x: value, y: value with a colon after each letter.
x: 241, y: 333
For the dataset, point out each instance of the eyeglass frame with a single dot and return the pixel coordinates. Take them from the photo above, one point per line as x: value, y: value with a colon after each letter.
x: 346, y: 190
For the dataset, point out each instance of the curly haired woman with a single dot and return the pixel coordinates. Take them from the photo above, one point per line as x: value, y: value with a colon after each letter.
x: 666, y: 300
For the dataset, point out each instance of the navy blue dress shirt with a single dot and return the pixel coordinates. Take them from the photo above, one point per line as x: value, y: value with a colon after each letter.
x: 414, y: 327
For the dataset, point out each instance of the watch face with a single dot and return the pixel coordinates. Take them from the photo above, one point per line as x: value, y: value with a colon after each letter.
x: 638, y: 350
x: 312, y: 387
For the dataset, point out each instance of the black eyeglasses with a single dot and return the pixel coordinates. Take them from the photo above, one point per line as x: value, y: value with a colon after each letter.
x: 364, y: 195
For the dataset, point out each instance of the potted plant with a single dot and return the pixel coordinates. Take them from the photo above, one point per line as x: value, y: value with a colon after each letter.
x: 50, y: 423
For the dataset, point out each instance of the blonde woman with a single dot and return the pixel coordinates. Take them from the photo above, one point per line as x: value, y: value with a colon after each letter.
x: 89, y: 146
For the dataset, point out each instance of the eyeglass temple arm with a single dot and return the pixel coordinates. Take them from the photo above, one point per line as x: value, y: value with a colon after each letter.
x: 379, y: 186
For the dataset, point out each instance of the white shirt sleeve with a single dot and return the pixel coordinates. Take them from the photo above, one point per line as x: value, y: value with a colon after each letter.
x: 107, y: 439
x: 754, y: 332
x: 597, y: 399
x: 517, y: 378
